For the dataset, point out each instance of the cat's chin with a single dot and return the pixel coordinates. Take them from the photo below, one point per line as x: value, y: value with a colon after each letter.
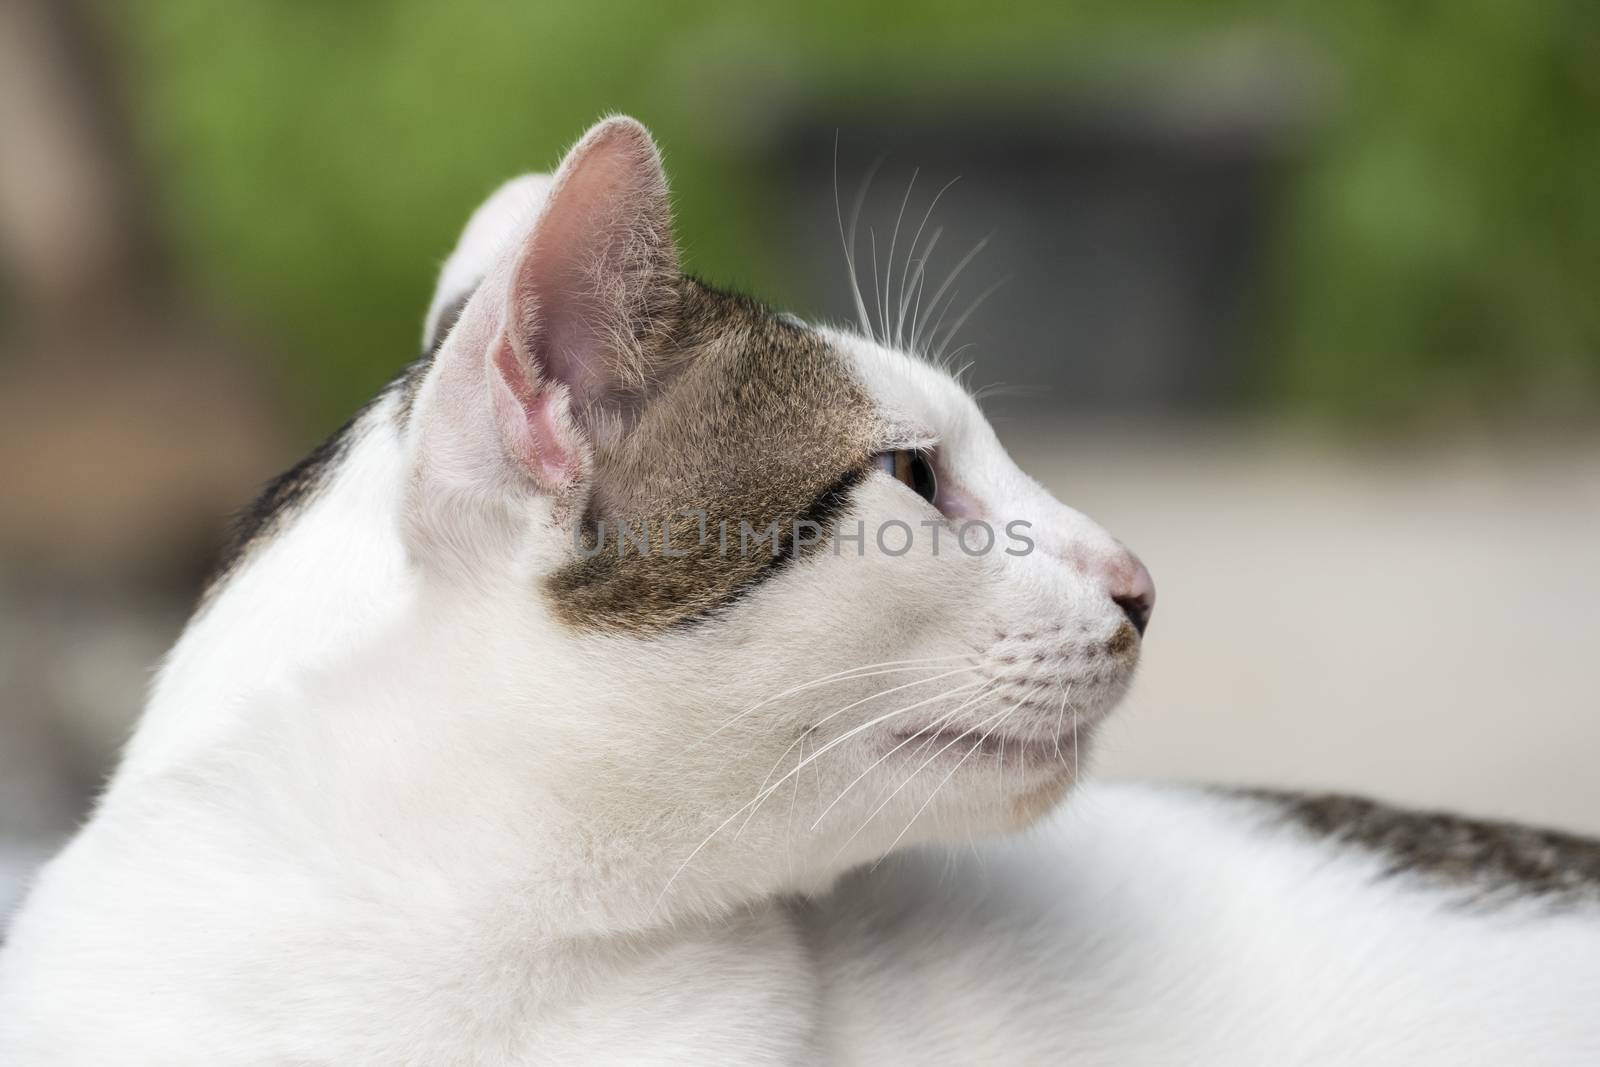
x: 1026, y: 773
x: 1038, y: 753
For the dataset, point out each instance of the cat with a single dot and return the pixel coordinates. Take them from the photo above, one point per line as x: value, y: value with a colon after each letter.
x: 645, y: 676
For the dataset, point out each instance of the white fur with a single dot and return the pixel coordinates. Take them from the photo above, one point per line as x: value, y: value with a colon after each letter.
x: 384, y: 809
x: 1150, y: 925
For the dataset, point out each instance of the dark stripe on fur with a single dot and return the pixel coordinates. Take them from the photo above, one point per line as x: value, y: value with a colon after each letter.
x: 409, y: 383
x: 298, y: 485
x: 282, y: 496
x: 1487, y: 862
x: 829, y: 506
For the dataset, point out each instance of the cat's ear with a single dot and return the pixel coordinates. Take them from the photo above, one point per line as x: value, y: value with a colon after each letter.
x: 560, y: 344
x: 591, y: 291
x: 565, y: 338
x: 597, y: 275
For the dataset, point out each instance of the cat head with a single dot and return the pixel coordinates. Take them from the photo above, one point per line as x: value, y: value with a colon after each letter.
x: 775, y: 589
x: 738, y: 600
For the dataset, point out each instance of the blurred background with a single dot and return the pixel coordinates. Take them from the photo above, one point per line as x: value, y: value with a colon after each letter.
x: 1300, y: 300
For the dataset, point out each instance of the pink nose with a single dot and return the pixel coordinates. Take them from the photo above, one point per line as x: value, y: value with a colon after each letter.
x: 1133, y: 590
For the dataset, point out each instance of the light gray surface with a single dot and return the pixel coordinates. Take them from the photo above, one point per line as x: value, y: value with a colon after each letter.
x: 1415, y: 622
x: 74, y: 663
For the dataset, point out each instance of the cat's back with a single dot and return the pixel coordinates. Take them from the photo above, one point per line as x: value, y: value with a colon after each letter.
x: 1146, y: 924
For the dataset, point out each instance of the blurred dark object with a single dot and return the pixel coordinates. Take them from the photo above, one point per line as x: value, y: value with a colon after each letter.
x: 129, y: 428
x: 73, y: 231
x: 1121, y: 233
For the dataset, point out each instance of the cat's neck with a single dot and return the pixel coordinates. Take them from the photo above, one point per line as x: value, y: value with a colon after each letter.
x: 319, y: 575
x: 350, y: 803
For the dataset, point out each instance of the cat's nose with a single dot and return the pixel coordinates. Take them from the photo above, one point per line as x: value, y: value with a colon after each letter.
x: 1118, y: 573
x: 1132, y: 589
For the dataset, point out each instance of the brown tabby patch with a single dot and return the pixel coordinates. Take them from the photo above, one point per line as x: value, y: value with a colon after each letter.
x: 763, y: 423
x: 1490, y: 862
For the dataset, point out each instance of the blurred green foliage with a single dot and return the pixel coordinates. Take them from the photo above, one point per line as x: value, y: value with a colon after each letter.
x: 1441, y: 247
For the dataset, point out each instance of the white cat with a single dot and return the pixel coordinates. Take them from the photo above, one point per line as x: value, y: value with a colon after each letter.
x: 454, y: 767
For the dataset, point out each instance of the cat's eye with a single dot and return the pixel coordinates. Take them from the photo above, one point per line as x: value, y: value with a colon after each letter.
x: 911, y: 468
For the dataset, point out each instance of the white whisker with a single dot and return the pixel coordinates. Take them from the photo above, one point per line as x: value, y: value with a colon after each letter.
x: 921, y: 284
x: 888, y: 278
x: 877, y: 762
x: 955, y: 327
x: 853, y: 731
x: 1002, y: 717
x: 872, y: 242
x: 850, y: 243
x: 949, y: 280
x: 855, y: 704
x: 788, y: 831
x: 933, y: 330
x: 763, y: 794
x: 922, y: 264
x: 978, y: 744
x: 983, y: 393
x: 960, y: 373
x: 932, y: 735
x: 1076, y: 750
x: 901, y: 666
x: 805, y: 761
x: 849, y: 248
x: 1061, y: 712
x: 749, y: 807
x: 913, y: 775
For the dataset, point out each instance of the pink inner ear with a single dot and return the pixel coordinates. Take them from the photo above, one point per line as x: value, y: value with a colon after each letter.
x: 599, y: 254
x: 586, y: 279
x: 574, y: 268
x: 538, y: 425
x: 557, y: 320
